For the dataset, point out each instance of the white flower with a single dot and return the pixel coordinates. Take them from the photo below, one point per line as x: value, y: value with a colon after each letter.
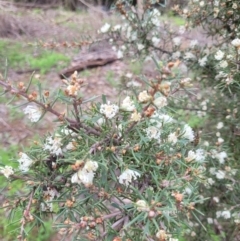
x: 119, y: 54
x: 84, y: 177
x: 173, y: 239
x: 48, y: 196
x: 24, y: 162
x: 116, y: 27
x: 144, y: 97
x: 154, y: 18
x: 71, y: 146
x: 172, y: 137
x: 200, y: 155
x: 220, y: 174
x: 191, y: 156
x: 123, y: 47
x: 219, y: 55
x: 101, y: 121
x: 135, y: 116
x: 129, y: 75
x: 7, y: 171
x: 223, y: 64
x: 236, y: 42
x: 176, y: 55
x: 159, y: 119
x: 221, y: 157
x: 160, y: 102
x: 188, y: 132
x: 128, y: 104
x: 188, y: 190
x: 182, y: 29
x: 142, y: 206
x: 86, y: 174
x: 109, y: 110
x: 163, y: 118
x: 153, y: 132
x: 189, y: 55
x: 133, y: 83
x: 201, y: 3
x: 220, y: 75
x: 34, y: 113
x: 53, y: 145
x: 127, y: 176
x: 91, y: 166
x: 210, y: 181
x: 177, y: 41
x: 193, y: 43
x: 140, y: 47
x: 234, y: 6
x: 216, y: 199
x: 210, y: 220
x: 105, y: 28
x: 155, y: 41
x: 229, y: 56
x: 216, y: 3
x: 218, y: 214
x: 186, y: 82
x: 212, y: 170
x: 220, y: 140
x: 220, y: 125
x: 202, y: 62
x: 67, y: 132
x: 226, y: 214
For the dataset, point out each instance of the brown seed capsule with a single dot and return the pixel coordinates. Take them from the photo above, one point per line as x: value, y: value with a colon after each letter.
x: 99, y: 220
x: 117, y: 239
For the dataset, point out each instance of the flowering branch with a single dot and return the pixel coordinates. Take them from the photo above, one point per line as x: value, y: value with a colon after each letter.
x: 72, y: 124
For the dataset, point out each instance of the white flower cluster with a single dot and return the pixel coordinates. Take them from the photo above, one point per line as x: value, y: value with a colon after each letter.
x: 109, y: 110
x: 127, y: 176
x: 34, y: 113
x: 199, y: 156
x: 24, y: 162
x: 53, y: 145
x: 48, y: 195
x: 153, y: 133
x: 224, y: 214
x: 144, y: 97
x: 128, y: 104
x: 159, y: 119
x: 142, y: 206
x: 160, y: 102
x: 7, y: 171
x: 86, y: 174
x: 188, y: 132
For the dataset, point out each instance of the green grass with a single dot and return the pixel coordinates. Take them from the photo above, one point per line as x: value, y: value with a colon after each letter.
x: 135, y: 67
x: 111, y: 79
x: 176, y: 20
x: 22, y: 56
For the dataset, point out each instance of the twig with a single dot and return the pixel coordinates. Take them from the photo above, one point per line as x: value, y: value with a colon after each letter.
x: 26, y: 216
x: 121, y: 220
x: 111, y: 215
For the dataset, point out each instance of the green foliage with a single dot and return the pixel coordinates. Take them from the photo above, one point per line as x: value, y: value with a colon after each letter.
x: 20, y: 56
x: 10, y: 220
